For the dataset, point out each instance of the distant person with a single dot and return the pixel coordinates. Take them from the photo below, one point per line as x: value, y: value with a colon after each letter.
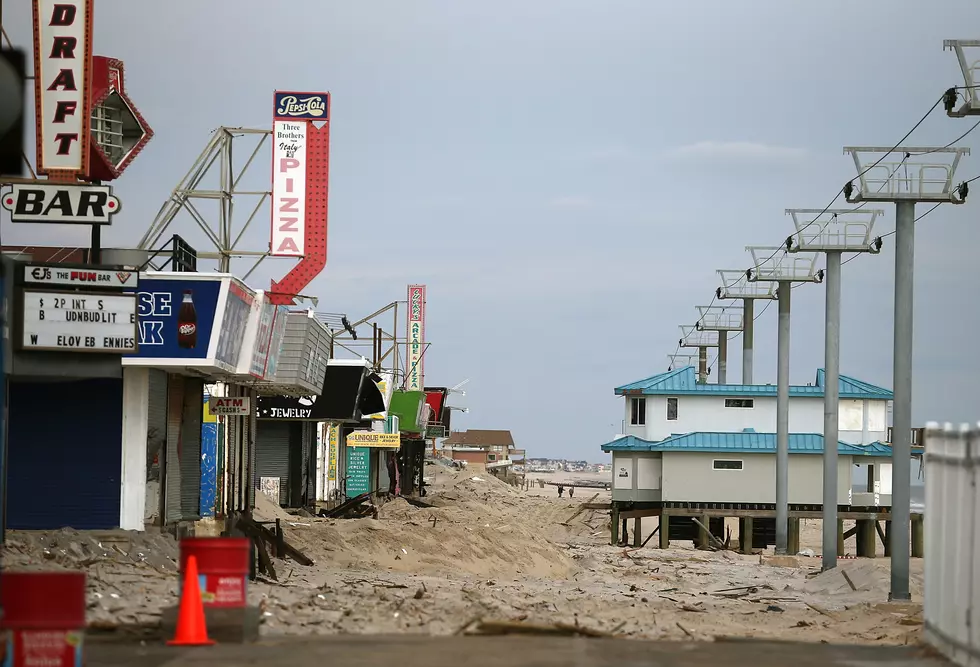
x: 561, y: 490
x: 571, y: 491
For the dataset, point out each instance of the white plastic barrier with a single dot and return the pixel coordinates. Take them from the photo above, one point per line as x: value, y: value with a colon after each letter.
x: 952, y: 542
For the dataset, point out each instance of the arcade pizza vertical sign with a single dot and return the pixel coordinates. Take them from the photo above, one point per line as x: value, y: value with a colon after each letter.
x: 299, y: 172
x: 62, y: 79
x: 416, y: 338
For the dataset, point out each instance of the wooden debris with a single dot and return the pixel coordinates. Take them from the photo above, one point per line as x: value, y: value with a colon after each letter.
x: 518, y: 627
x: 686, y: 631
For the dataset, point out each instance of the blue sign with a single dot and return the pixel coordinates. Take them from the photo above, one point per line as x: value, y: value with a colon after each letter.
x: 176, y: 317
x: 301, y: 106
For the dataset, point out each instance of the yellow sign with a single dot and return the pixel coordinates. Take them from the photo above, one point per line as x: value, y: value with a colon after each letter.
x: 374, y: 439
x: 333, y: 438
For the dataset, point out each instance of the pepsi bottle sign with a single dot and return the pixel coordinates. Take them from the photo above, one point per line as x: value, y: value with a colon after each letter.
x: 175, y: 316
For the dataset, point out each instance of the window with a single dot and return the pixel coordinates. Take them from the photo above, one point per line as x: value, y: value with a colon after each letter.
x: 739, y: 403
x: 491, y: 457
x: 638, y: 411
x: 671, y: 409
x: 726, y: 464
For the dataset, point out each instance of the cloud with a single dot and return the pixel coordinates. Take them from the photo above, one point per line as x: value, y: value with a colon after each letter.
x: 740, y: 151
x: 571, y: 201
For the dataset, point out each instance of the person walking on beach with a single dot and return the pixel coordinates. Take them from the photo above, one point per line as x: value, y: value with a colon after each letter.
x: 571, y: 491
x: 561, y: 490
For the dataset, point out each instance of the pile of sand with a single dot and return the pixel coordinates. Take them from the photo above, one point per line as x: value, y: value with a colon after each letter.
x: 476, y: 525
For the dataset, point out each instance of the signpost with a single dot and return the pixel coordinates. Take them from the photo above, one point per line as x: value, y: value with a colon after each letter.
x: 415, y: 379
x: 78, y: 322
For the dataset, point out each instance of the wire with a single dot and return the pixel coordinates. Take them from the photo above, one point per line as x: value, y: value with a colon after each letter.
x: 930, y: 210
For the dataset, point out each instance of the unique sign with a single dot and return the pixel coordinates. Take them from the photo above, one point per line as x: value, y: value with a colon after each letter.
x: 113, y: 150
x: 358, y: 471
x: 78, y: 322
x: 288, y: 188
x: 416, y: 337
x: 80, y: 277
x: 373, y: 439
x: 230, y: 406
x: 61, y: 203
x: 62, y: 80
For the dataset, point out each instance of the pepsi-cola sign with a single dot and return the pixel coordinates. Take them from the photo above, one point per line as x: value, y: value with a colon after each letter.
x: 176, y: 317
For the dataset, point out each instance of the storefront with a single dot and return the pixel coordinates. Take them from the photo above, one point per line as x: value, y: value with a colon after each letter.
x: 412, y: 412
x: 194, y: 331
x: 67, y: 327
x: 348, y: 395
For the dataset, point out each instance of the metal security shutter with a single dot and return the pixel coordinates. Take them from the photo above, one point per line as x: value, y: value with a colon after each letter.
x: 309, y: 463
x: 175, y: 408
x: 272, y: 454
x: 64, y: 454
x: 190, y: 449
x: 156, y: 438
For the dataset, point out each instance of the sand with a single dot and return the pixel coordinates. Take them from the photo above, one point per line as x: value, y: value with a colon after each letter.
x: 489, y: 550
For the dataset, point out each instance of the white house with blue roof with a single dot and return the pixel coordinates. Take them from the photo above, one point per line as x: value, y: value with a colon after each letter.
x: 674, y: 403
x: 734, y: 468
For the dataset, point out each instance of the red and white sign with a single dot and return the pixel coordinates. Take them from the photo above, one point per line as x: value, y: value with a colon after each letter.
x: 300, y: 180
x: 62, y: 79
x: 288, y: 188
x: 416, y: 338
x: 229, y: 406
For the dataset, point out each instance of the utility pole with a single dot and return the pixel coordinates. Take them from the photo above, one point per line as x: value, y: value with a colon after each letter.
x: 905, y: 182
x: 775, y: 266
x: 702, y: 340
x: 833, y: 232
x: 723, y: 320
x: 735, y: 286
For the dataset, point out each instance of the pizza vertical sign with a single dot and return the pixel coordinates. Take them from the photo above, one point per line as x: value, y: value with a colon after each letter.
x: 416, y: 338
x: 299, y: 169
x: 62, y: 82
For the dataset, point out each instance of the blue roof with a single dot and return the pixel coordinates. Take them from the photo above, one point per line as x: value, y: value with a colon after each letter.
x: 747, y: 441
x: 683, y: 381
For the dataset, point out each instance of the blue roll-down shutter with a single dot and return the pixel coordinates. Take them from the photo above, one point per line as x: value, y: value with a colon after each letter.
x: 64, y: 454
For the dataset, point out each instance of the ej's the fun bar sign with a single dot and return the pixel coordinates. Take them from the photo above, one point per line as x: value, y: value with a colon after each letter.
x: 63, y: 71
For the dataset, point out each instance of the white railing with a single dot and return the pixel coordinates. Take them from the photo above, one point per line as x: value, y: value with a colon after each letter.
x: 952, y: 542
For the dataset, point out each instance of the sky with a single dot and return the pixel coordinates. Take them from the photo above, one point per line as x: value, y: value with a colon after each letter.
x: 566, y: 176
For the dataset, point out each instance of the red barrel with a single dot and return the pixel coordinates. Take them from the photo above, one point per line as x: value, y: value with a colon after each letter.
x: 43, y: 618
x: 222, y: 566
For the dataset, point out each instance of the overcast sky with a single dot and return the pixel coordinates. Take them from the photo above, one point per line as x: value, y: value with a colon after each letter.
x: 566, y: 176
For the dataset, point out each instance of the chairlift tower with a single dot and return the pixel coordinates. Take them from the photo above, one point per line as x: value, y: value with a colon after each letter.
x: 702, y: 340
x: 920, y: 175
x: 681, y: 361
x: 832, y: 232
x: 968, y: 55
x: 735, y: 286
x: 724, y: 320
x: 775, y: 265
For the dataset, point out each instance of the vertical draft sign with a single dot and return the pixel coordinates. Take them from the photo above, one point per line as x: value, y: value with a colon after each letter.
x: 62, y: 79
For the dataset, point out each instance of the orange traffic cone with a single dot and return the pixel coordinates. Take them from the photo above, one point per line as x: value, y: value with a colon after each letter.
x: 191, y: 627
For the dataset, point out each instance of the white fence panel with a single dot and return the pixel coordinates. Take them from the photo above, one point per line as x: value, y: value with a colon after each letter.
x: 952, y: 542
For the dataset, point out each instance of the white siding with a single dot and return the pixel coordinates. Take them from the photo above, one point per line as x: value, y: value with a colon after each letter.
x: 622, y: 463
x: 648, y: 471
x: 708, y: 413
x: 690, y: 477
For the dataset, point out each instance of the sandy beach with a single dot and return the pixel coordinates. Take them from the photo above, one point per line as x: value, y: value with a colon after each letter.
x: 484, y: 550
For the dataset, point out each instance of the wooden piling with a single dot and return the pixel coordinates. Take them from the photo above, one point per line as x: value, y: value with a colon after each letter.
x: 866, y: 543
x: 918, y: 536
x: 637, y: 531
x: 664, y: 531
x: 745, y: 526
x: 840, y: 537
